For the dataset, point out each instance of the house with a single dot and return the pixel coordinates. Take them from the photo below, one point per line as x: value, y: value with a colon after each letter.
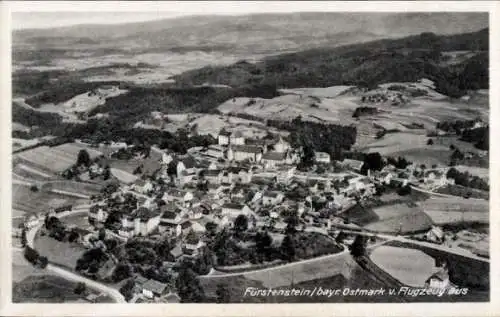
x: 233, y: 210
x: 213, y: 176
x: 281, y: 146
x: 192, y: 244
x: 285, y: 174
x: 177, y: 195
x: 98, y: 213
x: 272, y: 198
x: 154, y: 289
x: 166, y: 158
x: 31, y: 220
x: 384, y: 177
x: 244, y: 152
x: 237, y: 138
x: 239, y: 174
x: 223, y: 138
x: 195, y: 212
x: 216, y: 151
x: 142, y: 186
x: 354, y: 165
x: 435, y: 177
x: 438, y: 280
x: 171, y: 219
x: 322, y: 157
x: 271, y: 159
x: 188, y: 164
x: 145, y: 221
x: 435, y: 235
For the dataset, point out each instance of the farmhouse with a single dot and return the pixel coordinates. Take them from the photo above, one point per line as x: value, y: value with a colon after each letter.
x: 244, y: 152
x: 98, y: 214
x: 439, y: 280
x: 322, y: 157
x: 354, y: 165
x: 435, y: 177
x: 31, y: 220
x: 271, y: 159
x: 223, y: 138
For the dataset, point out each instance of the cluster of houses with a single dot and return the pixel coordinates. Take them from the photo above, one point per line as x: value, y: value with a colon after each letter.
x: 218, y: 183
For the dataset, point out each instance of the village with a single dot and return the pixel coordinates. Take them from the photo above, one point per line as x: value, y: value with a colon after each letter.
x: 247, y: 189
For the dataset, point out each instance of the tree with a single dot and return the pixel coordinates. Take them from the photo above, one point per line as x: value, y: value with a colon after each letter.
x: 127, y: 290
x: 188, y: 286
x: 43, y: 262
x: 223, y: 295
x: 340, y: 237
x: 211, y: 228
x: 288, y: 248
x: 107, y: 173
x: 241, y: 223
x: 292, y: 221
x: 83, y: 158
x: 358, y: 247
x: 430, y: 142
x: 34, y: 188
x: 102, y: 234
x: 24, y: 241
x: 80, y: 288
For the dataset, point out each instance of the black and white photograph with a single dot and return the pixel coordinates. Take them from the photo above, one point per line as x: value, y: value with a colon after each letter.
x: 249, y: 152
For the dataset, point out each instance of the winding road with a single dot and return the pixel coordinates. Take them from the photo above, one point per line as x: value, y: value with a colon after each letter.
x: 30, y: 237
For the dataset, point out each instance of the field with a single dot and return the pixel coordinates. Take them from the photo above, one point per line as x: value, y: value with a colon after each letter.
x: 393, y: 218
x: 72, y: 186
x: 24, y: 199
x: 463, y: 271
x: 425, y: 155
x: 44, y: 289
x: 409, y: 266
x: 55, y: 159
x: 62, y: 253
x: 456, y: 210
x: 476, y: 171
x: 80, y: 220
x: 461, y: 191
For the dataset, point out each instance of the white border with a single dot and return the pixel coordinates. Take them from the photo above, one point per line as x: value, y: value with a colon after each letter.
x: 434, y: 309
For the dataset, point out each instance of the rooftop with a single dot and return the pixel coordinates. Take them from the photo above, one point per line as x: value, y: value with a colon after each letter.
x: 247, y: 149
x: 274, y: 156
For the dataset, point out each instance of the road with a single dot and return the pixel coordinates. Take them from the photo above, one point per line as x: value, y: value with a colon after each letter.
x: 113, y: 293
x: 30, y: 237
x: 212, y: 274
x: 429, y: 245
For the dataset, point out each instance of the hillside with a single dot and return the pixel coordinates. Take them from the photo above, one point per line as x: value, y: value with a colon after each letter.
x: 368, y: 64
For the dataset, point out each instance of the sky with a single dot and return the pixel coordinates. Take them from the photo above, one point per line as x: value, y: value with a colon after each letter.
x: 46, y: 14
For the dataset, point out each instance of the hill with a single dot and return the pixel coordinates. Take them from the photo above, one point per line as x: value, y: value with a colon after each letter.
x: 367, y: 65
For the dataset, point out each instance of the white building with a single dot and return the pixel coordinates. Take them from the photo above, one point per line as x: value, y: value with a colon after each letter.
x: 223, y: 138
x: 244, y: 152
x: 322, y: 157
x: 237, y: 138
x: 272, y: 159
x: 233, y: 210
x: 281, y: 146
